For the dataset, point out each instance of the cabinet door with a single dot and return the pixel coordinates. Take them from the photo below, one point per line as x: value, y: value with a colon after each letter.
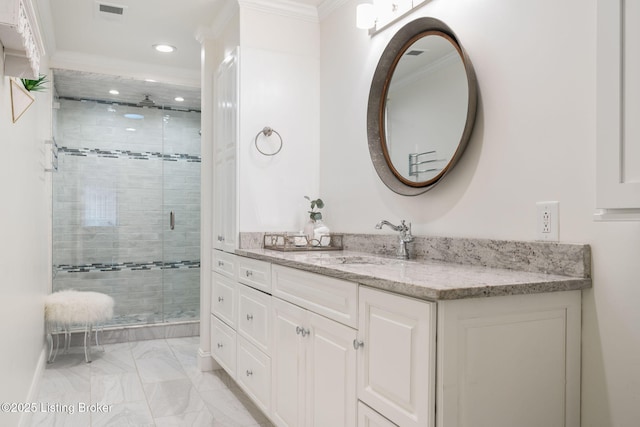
x: 254, y: 373
x: 225, y: 197
x: 254, y: 317
x: 254, y: 273
x: 331, y: 374
x: 396, y: 364
x: 512, y: 360
x: 223, y: 299
x: 223, y: 345
x: 224, y: 263
x: 287, y: 364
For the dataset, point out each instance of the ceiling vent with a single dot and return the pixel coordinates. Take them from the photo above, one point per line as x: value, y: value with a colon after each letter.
x: 110, y: 12
x: 415, y: 52
x: 107, y: 8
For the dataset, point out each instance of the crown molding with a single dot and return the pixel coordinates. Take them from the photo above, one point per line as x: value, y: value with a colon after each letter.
x: 286, y: 8
x: 327, y: 7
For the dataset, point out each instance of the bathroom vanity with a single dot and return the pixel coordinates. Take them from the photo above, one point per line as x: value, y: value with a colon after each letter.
x: 351, y: 338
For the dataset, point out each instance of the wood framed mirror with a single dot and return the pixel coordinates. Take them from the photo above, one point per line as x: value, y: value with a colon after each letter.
x: 422, y: 107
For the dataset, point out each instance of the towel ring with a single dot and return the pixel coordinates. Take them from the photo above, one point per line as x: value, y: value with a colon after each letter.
x: 267, y: 131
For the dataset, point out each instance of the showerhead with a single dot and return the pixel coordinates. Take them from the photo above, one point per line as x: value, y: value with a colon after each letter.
x: 146, y: 102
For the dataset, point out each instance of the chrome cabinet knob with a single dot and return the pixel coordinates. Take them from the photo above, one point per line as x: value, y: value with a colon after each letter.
x: 249, y: 317
x: 248, y: 273
x: 249, y: 372
x: 220, y: 345
x: 357, y: 344
x: 302, y: 331
x: 220, y: 299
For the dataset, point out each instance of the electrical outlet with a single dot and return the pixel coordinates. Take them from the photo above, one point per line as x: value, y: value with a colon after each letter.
x: 548, y: 226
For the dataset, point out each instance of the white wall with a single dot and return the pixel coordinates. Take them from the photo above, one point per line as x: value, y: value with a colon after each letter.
x: 279, y: 67
x: 534, y: 140
x: 25, y: 244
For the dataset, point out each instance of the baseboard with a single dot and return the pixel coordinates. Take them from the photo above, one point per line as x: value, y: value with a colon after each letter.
x: 206, y: 362
x: 25, y: 419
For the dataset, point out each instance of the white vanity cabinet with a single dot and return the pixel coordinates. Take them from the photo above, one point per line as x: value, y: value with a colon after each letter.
x: 317, y: 351
x: 397, y: 356
x: 313, y: 356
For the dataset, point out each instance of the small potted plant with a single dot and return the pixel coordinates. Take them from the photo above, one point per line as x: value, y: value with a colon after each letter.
x: 313, y: 214
x: 35, y: 85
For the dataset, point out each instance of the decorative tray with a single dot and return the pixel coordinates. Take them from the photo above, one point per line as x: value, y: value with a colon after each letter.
x: 300, y: 242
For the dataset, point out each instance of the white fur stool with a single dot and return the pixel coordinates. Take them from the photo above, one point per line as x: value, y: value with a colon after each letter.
x: 65, y: 308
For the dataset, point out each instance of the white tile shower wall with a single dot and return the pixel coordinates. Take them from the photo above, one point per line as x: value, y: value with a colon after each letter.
x: 112, y: 198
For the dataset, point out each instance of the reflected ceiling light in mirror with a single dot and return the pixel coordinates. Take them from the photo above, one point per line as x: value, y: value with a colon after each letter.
x: 164, y: 48
x: 130, y: 129
x: 365, y: 16
x: 114, y: 92
x: 134, y: 116
x: 178, y: 99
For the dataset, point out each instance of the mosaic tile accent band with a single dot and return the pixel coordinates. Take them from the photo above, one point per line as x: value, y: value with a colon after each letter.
x: 117, y: 154
x: 133, y: 266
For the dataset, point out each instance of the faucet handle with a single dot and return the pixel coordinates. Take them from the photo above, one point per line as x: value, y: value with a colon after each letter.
x: 407, y: 236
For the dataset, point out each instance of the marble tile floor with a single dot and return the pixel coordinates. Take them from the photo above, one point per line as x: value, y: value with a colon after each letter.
x: 141, y: 383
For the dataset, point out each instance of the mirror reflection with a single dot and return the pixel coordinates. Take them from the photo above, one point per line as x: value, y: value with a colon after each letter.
x: 425, y: 108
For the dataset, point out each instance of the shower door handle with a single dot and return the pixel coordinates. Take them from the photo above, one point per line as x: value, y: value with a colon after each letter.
x: 172, y: 220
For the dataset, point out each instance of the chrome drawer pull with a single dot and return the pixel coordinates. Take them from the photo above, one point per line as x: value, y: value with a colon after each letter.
x: 220, y: 345
x: 249, y: 372
x: 220, y: 299
x: 249, y: 273
x: 249, y: 317
x: 302, y: 331
x: 220, y: 263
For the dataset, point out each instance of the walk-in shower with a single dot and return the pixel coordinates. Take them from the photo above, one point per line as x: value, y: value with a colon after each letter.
x: 126, y: 195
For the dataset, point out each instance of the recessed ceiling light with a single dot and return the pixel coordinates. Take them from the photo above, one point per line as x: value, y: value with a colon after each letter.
x: 134, y: 116
x: 164, y: 48
x: 114, y: 92
x: 178, y: 98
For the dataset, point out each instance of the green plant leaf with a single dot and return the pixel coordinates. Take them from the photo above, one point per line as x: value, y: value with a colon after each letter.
x: 319, y: 203
x: 35, y: 85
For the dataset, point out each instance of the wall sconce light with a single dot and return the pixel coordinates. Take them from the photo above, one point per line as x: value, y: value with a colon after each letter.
x: 375, y: 15
x: 365, y: 16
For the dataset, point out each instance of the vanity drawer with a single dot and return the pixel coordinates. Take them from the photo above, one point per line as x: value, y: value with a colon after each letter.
x: 223, y: 298
x: 224, y: 263
x: 333, y: 298
x: 254, y: 374
x: 223, y: 345
x: 254, y: 273
x: 254, y: 321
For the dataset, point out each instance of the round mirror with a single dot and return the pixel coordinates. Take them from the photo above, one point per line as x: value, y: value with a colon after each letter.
x: 422, y: 107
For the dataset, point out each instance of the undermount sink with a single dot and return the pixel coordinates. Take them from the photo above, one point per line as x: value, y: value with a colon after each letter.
x: 359, y: 259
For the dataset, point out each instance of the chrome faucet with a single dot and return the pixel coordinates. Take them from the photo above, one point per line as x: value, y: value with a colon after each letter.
x: 405, y: 236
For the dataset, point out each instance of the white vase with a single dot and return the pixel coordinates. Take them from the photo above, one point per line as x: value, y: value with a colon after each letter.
x: 321, y: 233
x: 308, y: 229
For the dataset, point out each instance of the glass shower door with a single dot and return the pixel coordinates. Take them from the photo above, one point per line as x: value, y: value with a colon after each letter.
x: 181, y: 213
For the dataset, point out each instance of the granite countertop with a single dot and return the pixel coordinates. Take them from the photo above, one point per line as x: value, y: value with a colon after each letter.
x: 425, y: 279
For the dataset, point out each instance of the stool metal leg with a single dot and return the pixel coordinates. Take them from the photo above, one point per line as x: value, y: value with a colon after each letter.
x: 87, y: 348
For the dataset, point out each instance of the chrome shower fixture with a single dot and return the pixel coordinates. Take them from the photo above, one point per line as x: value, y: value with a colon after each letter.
x: 146, y: 102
